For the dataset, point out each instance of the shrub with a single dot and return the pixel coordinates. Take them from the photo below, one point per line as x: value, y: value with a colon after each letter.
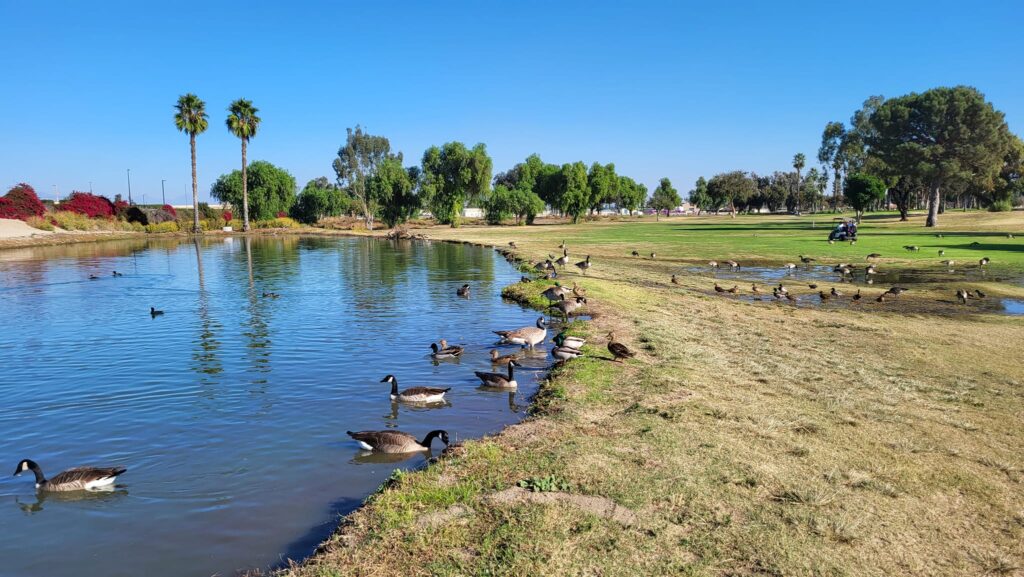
x: 170, y: 210
x: 279, y: 222
x: 39, y: 222
x: 1004, y: 205
x: 90, y: 205
x: 21, y: 202
x: 120, y: 208
x: 168, y: 226
x: 72, y: 220
x: 227, y: 216
x: 206, y: 212
x: 281, y: 214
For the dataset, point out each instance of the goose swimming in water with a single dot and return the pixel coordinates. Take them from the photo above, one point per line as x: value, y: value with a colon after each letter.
x: 415, y: 394
x: 526, y: 336
x: 463, y: 291
x: 77, y: 479
x: 396, y: 441
x: 499, y: 380
x: 154, y: 313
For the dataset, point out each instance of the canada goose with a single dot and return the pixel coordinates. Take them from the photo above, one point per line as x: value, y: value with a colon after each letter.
x: 396, y: 441
x: 881, y: 298
x: 949, y: 263
x: 525, y: 279
x: 550, y: 275
x: 618, y: 350
x: 980, y: 294
x: 654, y: 256
x: 555, y: 293
x: 812, y: 286
x: 674, y: 281
x: 77, y: 479
x: 568, y: 306
x: 270, y: 295
x: 734, y: 290
x: 733, y: 264
x: 938, y: 236
x: 115, y: 273
x: 154, y: 313
x: 896, y: 291
x: 463, y: 291
x: 942, y: 253
x: 911, y: 247
x: 526, y: 336
x: 823, y: 296
x: 636, y: 253
x: 713, y: 264
x: 563, y: 340
x: 962, y: 295
x: 564, y: 259
x: 790, y: 266
x: 873, y: 255
x: 445, y: 351
x: 856, y: 296
x: 806, y: 259
x: 497, y: 359
x: 565, y: 353
x: 836, y: 293
x: 512, y: 244
x: 562, y: 246
x: 543, y: 266
x: 870, y: 270
x: 983, y: 261
x: 583, y: 265
x: 498, y: 380
x: 415, y: 394
x: 1008, y: 235
x: 93, y: 277
x: 719, y: 289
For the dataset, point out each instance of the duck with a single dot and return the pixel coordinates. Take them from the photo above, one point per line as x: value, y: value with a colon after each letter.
x: 526, y: 336
x: 564, y: 259
x: 856, y: 296
x: 812, y: 286
x: 525, y: 279
x: 836, y: 293
x: 512, y: 244
x: 270, y: 295
x: 415, y: 394
x: 824, y: 296
x: 115, y: 273
x: 755, y: 289
x: 636, y: 253
x: 734, y: 290
x: 782, y: 289
x: 578, y: 290
x: 654, y: 256
x: 719, y: 289
x: 896, y: 290
x: 789, y: 297
x: 499, y: 359
x: 154, y: 313
x: 881, y: 298
x: 618, y: 350
x: 583, y: 265
x: 463, y: 291
x: 674, y: 281
x: 445, y: 351
x: 396, y: 441
x: 93, y: 277
x: 76, y: 479
x: 979, y: 294
x: 806, y: 259
x: 565, y: 353
x: 564, y: 340
x: 499, y: 380
x: 873, y: 255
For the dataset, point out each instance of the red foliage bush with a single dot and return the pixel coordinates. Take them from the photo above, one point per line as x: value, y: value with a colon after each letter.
x: 170, y: 209
x: 90, y: 205
x: 120, y: 207
x: 21, y: 202
x: 226, y: 215
x: 281, y: 214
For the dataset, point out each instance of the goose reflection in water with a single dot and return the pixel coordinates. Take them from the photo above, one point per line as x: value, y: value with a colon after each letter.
x: 100, y: 495
x: 379, y: 458
x: 393, y: 414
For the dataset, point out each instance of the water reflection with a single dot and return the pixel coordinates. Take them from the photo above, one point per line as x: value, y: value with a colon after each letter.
x: 101, y: 495
x: 205, y: 354
x: 376, y: 458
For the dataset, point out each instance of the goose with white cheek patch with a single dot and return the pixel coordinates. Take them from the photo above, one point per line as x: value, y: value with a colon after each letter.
x: 499, y: 380
x: 415, y: 394
x: 77, y: 479
x: 526, y: 336
x: 396, y: 441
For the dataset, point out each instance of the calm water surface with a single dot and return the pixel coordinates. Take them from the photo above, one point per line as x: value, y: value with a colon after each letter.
x: 230, y: 410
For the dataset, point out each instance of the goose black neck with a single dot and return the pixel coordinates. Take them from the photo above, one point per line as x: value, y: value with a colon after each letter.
x: 430, y: 438
x: 40, y: 479
x: 394, y: 386
x: 510, y: 365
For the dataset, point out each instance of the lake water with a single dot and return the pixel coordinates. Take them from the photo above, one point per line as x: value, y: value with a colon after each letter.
x: 230, y: 410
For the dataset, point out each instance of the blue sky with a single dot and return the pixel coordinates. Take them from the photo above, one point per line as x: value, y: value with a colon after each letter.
x: 659, y: 88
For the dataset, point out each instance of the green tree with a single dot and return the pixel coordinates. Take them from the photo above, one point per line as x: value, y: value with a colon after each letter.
x: 574, y: 196
x: 731, y: 189
x: 191, y: 118
x: 320, y: 199
x: 357, y: 162
x: 243, y: 123
x: 944, y: 137
x: 799, y: 161
x: 271, y: 189
x: 863, y: 191
x: 829, y: 155
x: 631, y: 194
x: 603, y: 185
x: 664, y: 197
x: 699, y: 195
x: 394, y: 190
x: 549, y: 185
x: 453, y: 176
x: 904, y: 192
x: 504, y: 202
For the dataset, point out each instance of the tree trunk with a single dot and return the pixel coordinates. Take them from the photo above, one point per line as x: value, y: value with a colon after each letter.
x: 195, y: 188
x: 934, y: 198
x: 245, y: 193
x: 903, y: 214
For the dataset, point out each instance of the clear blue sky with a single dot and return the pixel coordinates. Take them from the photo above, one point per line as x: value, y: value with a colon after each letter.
x: 659, y: 88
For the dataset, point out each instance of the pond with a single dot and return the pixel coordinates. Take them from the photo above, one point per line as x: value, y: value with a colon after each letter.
x: 229, y: 410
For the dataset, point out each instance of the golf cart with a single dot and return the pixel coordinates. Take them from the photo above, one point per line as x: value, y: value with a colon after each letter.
x: 845, y: 230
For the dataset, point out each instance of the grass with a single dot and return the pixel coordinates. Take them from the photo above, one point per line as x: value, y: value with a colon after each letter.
x: 744, y: 439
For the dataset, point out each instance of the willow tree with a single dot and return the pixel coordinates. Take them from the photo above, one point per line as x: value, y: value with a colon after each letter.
x: 191, y: 118
x: 453, y: 176
x: 243, y: 123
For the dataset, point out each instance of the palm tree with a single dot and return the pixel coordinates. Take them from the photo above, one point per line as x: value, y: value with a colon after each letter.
x: 243, y: 122
x: 191, y: 118
x: 799, y: 160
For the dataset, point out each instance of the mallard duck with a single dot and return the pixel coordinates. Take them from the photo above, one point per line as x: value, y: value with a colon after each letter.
x: 674, y: 281
x: 525, y: 279
x: 618, y: 350
x: 782, y: 289
x: 979, y: 294
x: 93, y: 277
x: 578, y: 290
x: 807, y: 259
x: 564, y: 340
x: 856, y: 296
x: 734, y: 290
x: 565, y: 353
x: 415, y: 394
x: 497, y: 359
x: 526, y: 336
x: 755, y: 289
x: 396, y: 441
x: 463, y: 291
x: 564, y: 259
x: 789, y: 297
x: 445, y: 351
x: 636, y: 253
x: 719, y: 289
x: 77, y: 479
x: 836, y: 293
x: 270, y: 295
x: 583, y: 265
x: 498, y: 380
x: 812, y: 286
x: 154, y: 313
x: 115, y: 273
x: 824, y: 296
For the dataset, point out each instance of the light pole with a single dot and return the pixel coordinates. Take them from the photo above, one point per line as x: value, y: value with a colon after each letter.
x: 163, y: 196
x: 90, y: 187
x: 56, y: 197
x: 129, y: 186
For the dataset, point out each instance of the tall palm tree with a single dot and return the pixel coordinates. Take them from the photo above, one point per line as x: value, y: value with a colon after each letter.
x: 191, y: 118
x: 799, y: 161
x: 243, y: 122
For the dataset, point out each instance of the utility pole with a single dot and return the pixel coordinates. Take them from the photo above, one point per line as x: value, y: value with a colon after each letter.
x: 90, y: 187
x: 129, y: 186
x: 56, y: 196
x: 163, y: 196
